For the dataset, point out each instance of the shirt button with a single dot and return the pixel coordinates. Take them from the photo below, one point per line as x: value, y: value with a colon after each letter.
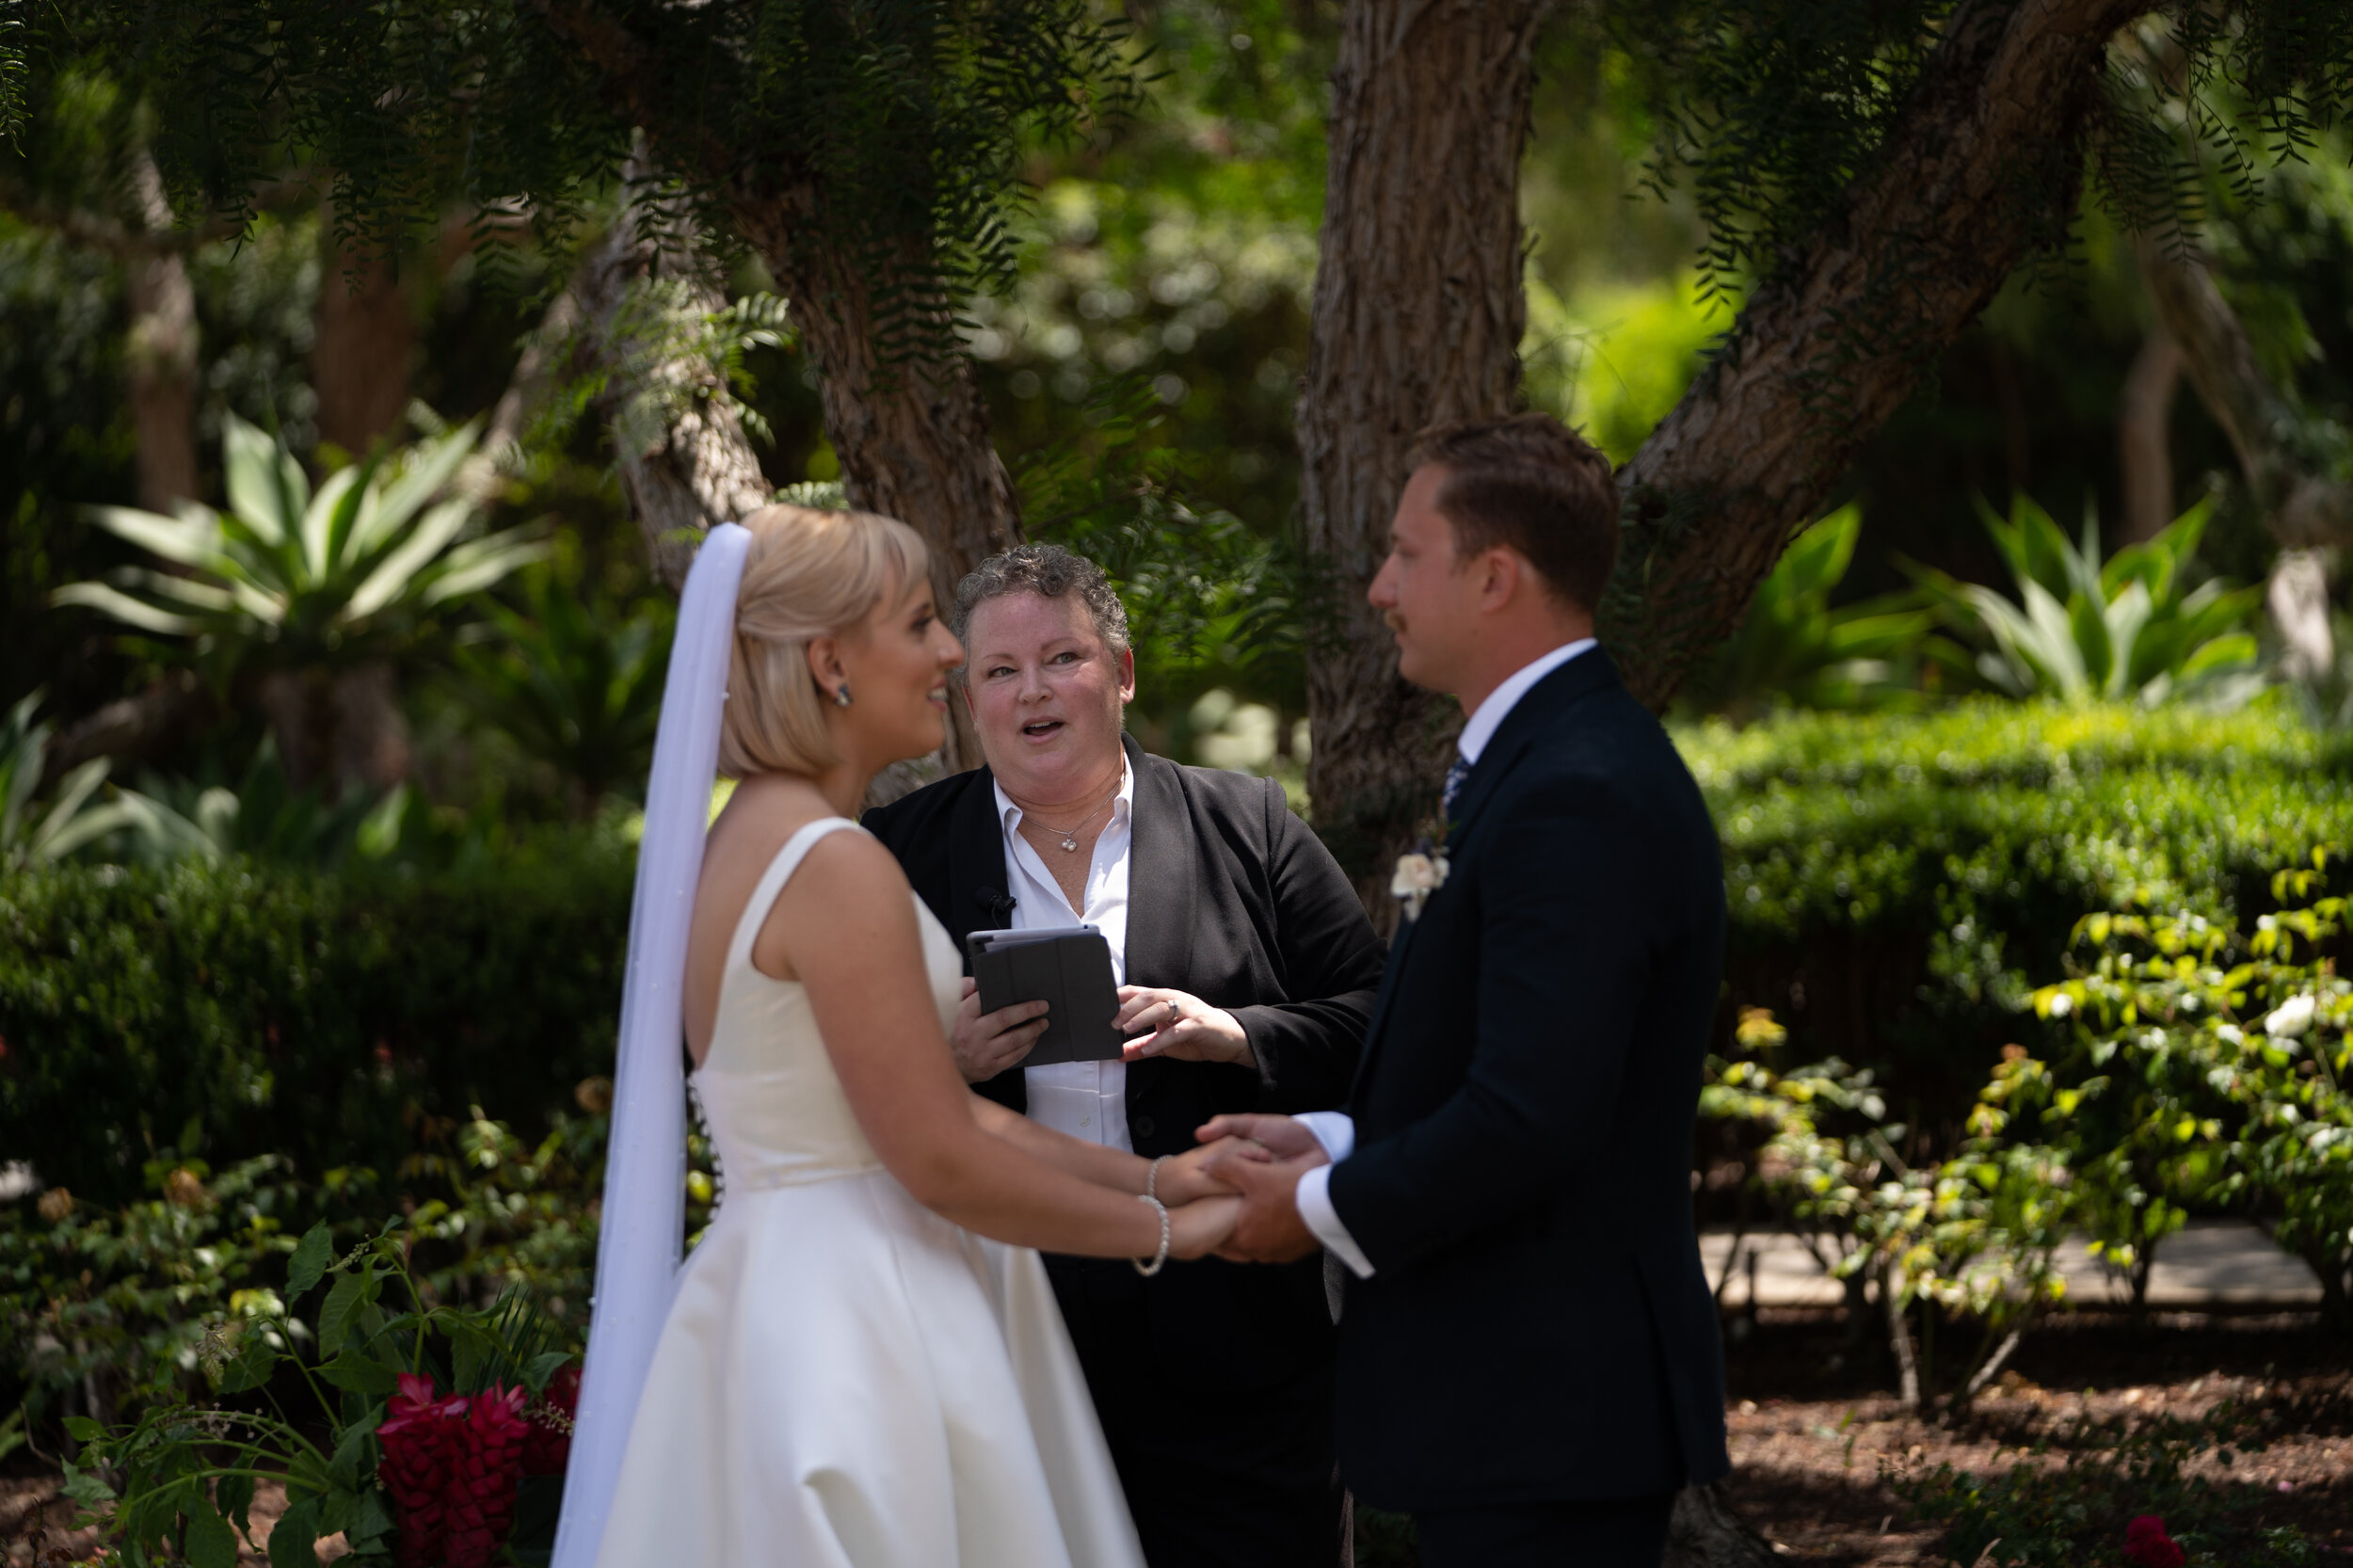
x: 1141, y: 1126
x: 1086, y: 1121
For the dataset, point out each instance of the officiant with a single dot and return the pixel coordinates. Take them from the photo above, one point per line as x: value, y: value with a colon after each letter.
x: 1246, y: 970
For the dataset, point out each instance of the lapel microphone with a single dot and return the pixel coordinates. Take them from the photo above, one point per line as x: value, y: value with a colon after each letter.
x: 998, y: 904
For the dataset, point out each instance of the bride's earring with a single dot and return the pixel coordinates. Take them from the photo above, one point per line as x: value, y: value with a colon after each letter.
x: 842, y: 695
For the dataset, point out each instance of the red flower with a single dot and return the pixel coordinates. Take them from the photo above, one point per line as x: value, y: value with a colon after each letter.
x: 481, y: 1495
x: 549, y: 1445
x: 424, y: 1440
x: 2147, y: 1545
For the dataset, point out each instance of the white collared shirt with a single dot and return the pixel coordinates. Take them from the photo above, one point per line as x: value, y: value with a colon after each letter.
x: 1085, y: 1099
x: 1335, y: 1129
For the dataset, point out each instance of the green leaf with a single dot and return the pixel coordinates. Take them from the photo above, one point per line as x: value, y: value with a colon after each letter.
x: 266, y: 488
x: 373, y: 1519
x: 358, y: 1373
x: 344, y: 1300
x: 85, y: 1487
x: 350, y: 1459
x: 83, y: 1430
x: 210, y: 1542
x: 293, y: 1542
x: 252, y: 1367
x: 233, y: 1496
x: 311, y: 1254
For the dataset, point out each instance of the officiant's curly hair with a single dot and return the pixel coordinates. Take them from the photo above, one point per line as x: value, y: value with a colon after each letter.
x: 1532, y: 482
x: 810, y: 573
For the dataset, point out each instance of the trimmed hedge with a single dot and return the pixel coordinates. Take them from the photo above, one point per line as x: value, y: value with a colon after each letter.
x: 228, y: 1012
x: 1899, y: 883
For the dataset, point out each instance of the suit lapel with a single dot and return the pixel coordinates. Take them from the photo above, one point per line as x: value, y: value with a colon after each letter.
x: 976, y: 861
x: 1160, y: 868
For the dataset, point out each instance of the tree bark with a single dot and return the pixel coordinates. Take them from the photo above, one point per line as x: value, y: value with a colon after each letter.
x: 365, y: 339
x: 698, y: 468
x: 162, y: 348
x: 1417, y: 317
x: 2306, y: 508
x: 1984, y: 164
x: 912, y: 434
x: 2144, y: 452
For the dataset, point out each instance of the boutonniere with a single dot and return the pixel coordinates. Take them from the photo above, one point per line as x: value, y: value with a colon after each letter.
x: 1420, y: 872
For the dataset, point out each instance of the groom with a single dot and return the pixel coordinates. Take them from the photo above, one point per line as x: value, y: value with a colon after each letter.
x: 1529, y: 1357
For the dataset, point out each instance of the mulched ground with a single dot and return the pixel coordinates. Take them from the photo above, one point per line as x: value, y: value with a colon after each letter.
x: 1813, y: 1422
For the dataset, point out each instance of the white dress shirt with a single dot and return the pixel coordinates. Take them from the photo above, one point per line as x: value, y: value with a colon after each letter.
x: 1085, y: 1099
x: 1335, y: 1129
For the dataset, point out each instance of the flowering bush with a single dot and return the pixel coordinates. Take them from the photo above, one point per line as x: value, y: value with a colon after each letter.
x: 2211, y: 1066
x: 2147, y: 1545
x: 428, y: 1477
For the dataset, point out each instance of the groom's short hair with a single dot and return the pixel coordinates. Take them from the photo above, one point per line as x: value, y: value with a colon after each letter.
x: 1528, y: 482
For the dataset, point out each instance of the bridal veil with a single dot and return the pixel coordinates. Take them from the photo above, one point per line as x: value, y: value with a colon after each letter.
x: 641, y: 1234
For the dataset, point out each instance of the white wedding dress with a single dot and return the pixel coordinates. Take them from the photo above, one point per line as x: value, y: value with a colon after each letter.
x: 847, y: 1379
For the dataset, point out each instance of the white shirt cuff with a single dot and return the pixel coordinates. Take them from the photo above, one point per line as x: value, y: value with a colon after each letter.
x: 1335, y: 1129
x: 1314, y: 1197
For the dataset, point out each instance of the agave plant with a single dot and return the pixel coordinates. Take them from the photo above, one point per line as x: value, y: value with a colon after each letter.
x: 31, y: 835
x: 305, y: 587
x: 2082, y: 629
x: 1794, y: 649
x: 301, y: 578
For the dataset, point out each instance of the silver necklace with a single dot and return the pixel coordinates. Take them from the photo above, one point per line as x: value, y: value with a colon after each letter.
x: 1070, y: 839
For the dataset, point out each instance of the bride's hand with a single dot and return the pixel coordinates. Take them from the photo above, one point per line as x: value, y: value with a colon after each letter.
x: 1185, y: 1176
x: 1201, y: 1226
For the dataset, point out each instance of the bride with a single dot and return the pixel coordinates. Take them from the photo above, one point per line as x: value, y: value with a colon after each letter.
x: 862, y: 1366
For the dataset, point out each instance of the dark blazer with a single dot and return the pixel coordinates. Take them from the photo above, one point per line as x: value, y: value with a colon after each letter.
x: 1537, y: 1327
x: 1231, y: 898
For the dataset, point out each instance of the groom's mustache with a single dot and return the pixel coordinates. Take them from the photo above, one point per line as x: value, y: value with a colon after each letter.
x: 1393, y: 621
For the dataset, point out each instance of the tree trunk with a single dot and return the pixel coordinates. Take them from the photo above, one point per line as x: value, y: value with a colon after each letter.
x: 692, y: 467
x: 912, y: 437
x: 161, y: 354
x: 365, y: 339
x: 1418, y: 312
x: 1706, y: 1532
x: 2144, y: 453
x: 2306, y: 507
x: 1986, y: 163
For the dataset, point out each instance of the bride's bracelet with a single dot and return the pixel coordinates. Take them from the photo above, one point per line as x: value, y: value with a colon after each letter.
x: 1152, y: 1178
x: 1161, y: 1256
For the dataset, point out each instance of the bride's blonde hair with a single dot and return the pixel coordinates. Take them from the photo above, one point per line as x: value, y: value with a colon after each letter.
x: 808, y: 574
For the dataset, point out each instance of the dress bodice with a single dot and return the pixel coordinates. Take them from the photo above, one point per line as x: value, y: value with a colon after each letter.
x: 768, y: 1091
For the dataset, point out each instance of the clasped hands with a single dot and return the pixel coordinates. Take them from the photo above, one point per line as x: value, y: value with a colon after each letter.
x: 1259, y: 1159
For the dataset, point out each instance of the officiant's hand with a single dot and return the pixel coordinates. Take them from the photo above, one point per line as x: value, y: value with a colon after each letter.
x: 1182, y: 1025
x: 986, y: 1044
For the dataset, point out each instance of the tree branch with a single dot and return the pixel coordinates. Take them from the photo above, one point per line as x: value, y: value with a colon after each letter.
x: 2304, y: 507
x: 96, y: 232
x: 1985, y: 165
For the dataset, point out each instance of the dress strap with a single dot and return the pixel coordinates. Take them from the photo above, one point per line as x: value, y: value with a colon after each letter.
x: 772, y: 881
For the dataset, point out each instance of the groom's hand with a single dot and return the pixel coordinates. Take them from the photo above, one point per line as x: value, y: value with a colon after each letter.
x: 1262, y: 1136
x: 1269, y: 1228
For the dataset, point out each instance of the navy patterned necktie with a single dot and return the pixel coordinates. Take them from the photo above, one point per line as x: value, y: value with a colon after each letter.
x: 1456, y: 772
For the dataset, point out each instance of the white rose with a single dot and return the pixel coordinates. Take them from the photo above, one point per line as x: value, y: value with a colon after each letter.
x: 2290, y: 1018
x: 2229, y: 1034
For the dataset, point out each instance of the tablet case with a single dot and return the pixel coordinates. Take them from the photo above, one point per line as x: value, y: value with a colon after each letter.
x: 1070, y: 971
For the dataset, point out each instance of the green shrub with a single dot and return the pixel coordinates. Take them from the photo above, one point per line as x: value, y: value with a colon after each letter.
x: 2049, y: 1512
x: 1896, y: 879
x: 233, y: 1010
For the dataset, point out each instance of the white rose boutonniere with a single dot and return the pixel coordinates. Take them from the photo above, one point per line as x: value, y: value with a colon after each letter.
x: 1419, y: 873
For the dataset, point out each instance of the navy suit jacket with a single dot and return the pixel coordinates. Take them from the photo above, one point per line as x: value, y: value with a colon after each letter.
x: 1538, y: 1326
